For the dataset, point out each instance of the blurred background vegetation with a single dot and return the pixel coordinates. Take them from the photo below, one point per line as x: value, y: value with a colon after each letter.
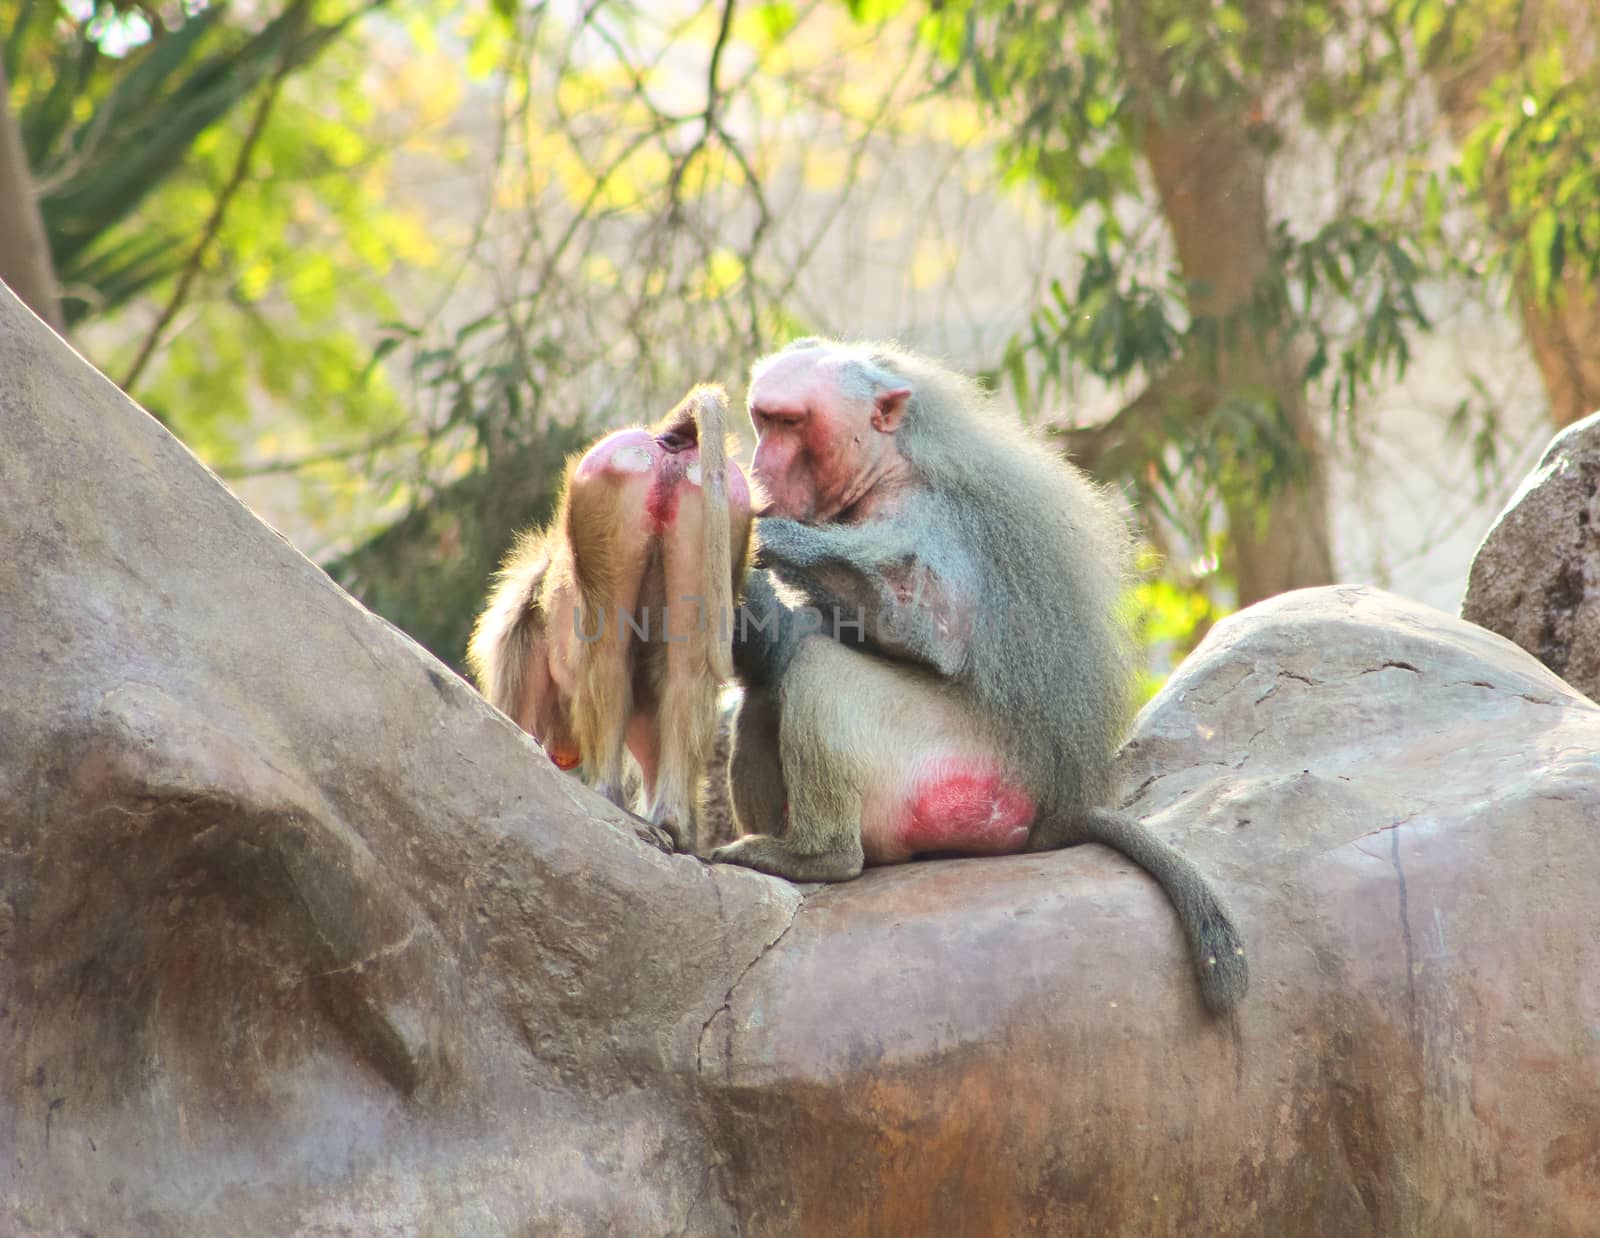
x: 1304, y: 279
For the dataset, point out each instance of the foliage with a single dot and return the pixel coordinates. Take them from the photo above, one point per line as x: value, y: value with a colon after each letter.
x: 303, y: 269
x: 1171, y: 609
x: 641, y: 166
x: 1532, y: 167
x: 1345, y: 287
x: 103, y: 129
x: 135, y: 120
x: 1078, y: 86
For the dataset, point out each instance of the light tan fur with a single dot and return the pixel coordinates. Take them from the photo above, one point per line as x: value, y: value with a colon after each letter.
x: 595, y: 698
x: 511, y: 625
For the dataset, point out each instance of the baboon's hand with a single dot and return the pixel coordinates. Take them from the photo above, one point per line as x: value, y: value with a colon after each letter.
x: 782, y: 542
x: 678, y: 826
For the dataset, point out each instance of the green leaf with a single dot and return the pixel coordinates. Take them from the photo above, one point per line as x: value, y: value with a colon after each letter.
x: 1427, y: 19
x: 1179, y: 32
x: 1475, y: 153
x: 1545, y: 251
x: 777, y: 19
x: 1433, y: 205
x: 385, y: 346
x: 155, y: 73
x: 1230, y: 20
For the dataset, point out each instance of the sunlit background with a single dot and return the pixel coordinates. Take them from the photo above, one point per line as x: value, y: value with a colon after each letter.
x: 1310, y: 283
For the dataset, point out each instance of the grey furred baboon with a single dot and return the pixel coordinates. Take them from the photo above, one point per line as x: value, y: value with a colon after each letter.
x: 970, y: 681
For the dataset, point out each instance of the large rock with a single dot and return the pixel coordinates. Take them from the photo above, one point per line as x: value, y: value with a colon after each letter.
x: 1405, y: 811
x: 298, y: 936
x: 1536, y: 578
x: 295, y: 933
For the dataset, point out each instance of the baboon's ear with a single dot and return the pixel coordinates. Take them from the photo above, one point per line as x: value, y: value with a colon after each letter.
x: 889, y: 409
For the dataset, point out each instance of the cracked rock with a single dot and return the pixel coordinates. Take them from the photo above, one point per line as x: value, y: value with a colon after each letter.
x: 1536, y: 578
x: 1013, y: 1046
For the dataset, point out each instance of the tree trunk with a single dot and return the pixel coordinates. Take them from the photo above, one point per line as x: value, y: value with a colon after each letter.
x: 24, y: 250
x: 1563, y: 333
x: 1565, y: 340
x: 1212, y: 180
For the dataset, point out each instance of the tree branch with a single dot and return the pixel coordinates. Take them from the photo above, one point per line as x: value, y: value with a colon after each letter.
x: 24, y: 247
x: 1136, y: 431
x: 333, y: 455
x: 710, y: 123
x: 219, y: 209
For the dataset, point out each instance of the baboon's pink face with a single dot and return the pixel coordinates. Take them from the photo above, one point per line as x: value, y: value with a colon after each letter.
x: 816, y: 448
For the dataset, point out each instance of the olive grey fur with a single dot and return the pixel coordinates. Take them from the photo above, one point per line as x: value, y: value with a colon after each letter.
x: 995, y: 587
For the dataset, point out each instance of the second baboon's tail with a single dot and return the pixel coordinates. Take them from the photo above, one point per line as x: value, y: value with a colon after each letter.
x: 710, y: 406
x: 504, y: 635
x: 1214, y: 943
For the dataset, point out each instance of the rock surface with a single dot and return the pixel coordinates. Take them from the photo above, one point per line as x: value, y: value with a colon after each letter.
x: 1536, y: 578
x: 1405, y: 811
x: 300, y: 937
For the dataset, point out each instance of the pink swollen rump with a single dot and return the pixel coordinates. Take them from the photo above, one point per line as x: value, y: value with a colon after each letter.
x: 636, y: 453
x: 626, y: 451
x: 959, y: 804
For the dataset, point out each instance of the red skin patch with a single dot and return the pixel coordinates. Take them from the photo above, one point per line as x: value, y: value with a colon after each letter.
x: 661, y: 504
x: 958, y: 804
x: 638, y: 453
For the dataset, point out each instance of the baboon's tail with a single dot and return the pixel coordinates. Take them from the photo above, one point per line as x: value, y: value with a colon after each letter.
x: 710, y: 406
x: 497, y: 655
x: 1213, y: 941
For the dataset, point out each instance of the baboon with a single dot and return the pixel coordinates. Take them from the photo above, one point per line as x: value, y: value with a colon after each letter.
x: 962, y: 681
x: 609, y: 628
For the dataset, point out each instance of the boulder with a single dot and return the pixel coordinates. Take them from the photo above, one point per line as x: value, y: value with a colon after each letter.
x: 1405, y: 812
x: 299, y: 936
x: 1536, y: 578
x: 296, y: 934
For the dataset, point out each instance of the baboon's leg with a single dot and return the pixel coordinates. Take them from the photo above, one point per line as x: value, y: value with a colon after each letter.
x: 755, y: 772
x: 611, y: 558
x: 689, y: 687
x: 817, y: 748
